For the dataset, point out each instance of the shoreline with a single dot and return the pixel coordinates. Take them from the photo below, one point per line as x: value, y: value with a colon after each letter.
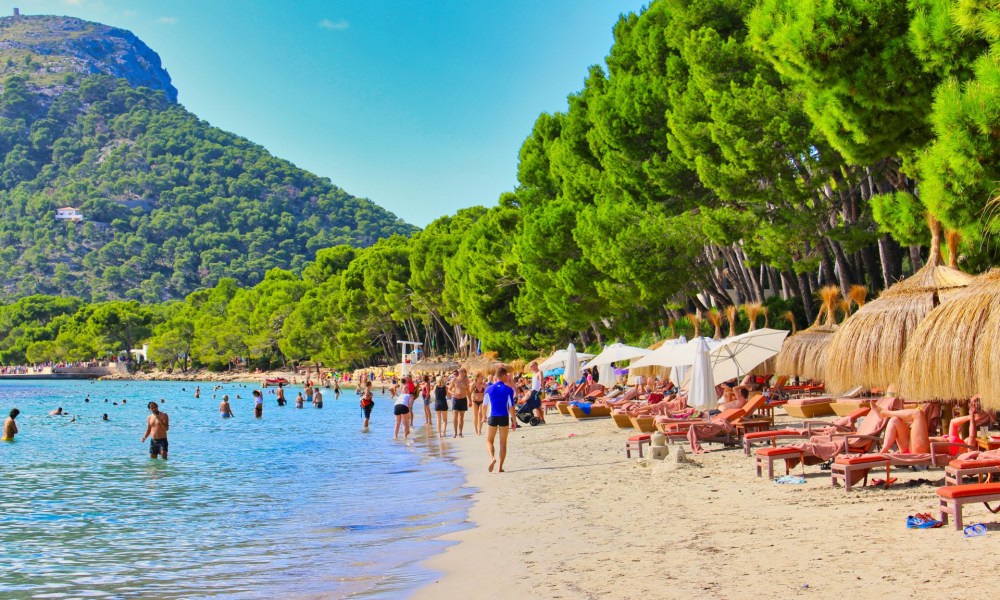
x: 204, y: 376
x: 574, y: 518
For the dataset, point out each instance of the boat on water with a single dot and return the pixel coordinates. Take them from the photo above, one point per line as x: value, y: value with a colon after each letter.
x: 275, y: 381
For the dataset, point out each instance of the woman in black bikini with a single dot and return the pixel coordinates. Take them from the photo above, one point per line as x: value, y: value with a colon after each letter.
x: 441, y: 406
x: 478, y: 393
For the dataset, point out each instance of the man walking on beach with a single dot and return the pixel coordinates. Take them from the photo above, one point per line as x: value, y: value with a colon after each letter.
x: 459, y: 400
x: 10, y: 427
x: 157, y: 425
x: 500, y: 401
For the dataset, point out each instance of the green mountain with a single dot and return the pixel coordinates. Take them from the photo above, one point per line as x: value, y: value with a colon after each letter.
x: 169, y: 204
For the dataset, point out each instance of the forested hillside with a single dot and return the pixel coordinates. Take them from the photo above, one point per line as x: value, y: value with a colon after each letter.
x: 170, y: 204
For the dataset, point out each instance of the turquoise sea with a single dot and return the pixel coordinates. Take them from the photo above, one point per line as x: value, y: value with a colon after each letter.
x: 298, y: 504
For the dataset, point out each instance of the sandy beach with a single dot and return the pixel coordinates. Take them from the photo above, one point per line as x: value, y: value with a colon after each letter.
x: 573, y: 518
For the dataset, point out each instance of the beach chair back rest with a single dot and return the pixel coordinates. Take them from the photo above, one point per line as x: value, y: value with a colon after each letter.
x: 731, y: 414
x: 754, y: 404
x: 780, y: 383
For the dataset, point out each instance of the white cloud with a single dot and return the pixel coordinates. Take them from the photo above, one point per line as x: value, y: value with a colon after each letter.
x: 334, y: 25
x: 167, y: 20
x: 73, y: 2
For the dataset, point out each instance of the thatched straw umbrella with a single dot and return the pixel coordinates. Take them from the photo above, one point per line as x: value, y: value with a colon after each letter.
x: 731, y: 316
x: 715, y: 318
x: 954, y: 352
x: 429, y: 365
x: 485, y: 364
x: 868, y: 348
x: 804, y: 354
x: 695, y: 320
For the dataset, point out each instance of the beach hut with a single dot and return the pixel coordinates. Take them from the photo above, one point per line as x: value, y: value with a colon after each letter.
x: 954, y: 352
x: 868, y: 347
x: 804, y: 354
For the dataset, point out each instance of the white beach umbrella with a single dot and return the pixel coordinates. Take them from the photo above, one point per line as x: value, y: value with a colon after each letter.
x: 672, y: 353
x: 738, y: 355
x: 559, y: 359
x: 572, y: 364
x: 616, y: 353
x: 701, y: 393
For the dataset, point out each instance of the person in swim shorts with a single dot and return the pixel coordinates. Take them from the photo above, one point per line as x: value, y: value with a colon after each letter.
x: 500, y: 408
x: 224, y: 409
x: 460, y: 400
x: 157, y: 425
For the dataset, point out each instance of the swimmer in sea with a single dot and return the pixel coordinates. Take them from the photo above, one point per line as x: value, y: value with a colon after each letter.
x: 197, y: 392
x: 224, y: 409
x: 10, y: 427
x: 56, y: 413
x: 299, y: 400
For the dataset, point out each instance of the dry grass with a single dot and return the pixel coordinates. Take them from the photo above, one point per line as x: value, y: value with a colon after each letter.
x: 954, y: 351
x: 731, y: 316
x: 868, y: 348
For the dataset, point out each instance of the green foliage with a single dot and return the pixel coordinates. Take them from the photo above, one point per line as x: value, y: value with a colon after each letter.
x: 171, y: 204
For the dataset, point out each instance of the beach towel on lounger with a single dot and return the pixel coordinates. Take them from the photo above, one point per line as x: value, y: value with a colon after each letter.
x: 584, y: 406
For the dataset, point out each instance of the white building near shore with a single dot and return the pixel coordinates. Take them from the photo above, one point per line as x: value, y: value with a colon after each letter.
x: 68, y: 213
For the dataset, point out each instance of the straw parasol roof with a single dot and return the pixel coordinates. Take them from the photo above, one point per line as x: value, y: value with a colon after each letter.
x: 482, y: 364
x: 868, y: 348
x: 954, y: 351
x: 429, y: 365
x: 804, y: 353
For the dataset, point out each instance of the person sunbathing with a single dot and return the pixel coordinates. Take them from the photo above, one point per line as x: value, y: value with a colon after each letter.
x: 613, y: 400
x: 907, y: 429
x: 674, y: 407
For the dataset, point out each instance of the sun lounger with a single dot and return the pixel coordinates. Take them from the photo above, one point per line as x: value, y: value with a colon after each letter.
x: 809, y: 408
x: 645, y: 423
x: 954, y: 497
x: 622, y: 419
x: 563, y: 407
x: 597, y: 411
x: 958, y: 469
x: 809, y: 428
x: 769, y: 456
x: 635, y: 443
x: 851, y: 469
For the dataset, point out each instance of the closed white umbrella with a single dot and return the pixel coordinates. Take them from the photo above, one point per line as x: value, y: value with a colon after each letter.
x: 572, y: 364
x: 616, y: 353
x: 740, y: 354
x: 701, y: 393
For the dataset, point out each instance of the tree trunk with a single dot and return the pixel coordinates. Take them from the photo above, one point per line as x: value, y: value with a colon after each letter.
x: 841, y: 265
x: 805, y: 292
x: 915, y: 261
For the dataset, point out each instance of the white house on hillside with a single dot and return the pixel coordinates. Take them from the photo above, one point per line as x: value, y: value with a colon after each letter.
x: 68, y: 213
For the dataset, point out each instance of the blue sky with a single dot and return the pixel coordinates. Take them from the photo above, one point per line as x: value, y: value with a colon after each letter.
x: 419, y: 106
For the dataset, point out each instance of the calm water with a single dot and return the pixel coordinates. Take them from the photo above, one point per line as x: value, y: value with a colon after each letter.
x: 299, y: 504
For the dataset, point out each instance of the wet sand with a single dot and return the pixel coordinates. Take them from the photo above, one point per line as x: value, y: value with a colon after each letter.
x: 573, y: 518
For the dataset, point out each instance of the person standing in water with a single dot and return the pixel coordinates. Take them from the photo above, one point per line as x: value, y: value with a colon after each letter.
x: 500, y: 408
x: 401, y: 410
x: 299, y: 400
x: 336, y: 389
x: 281, y: 394
x: 258, y: 404
x: 460, y: 400
x: 197, y: 392
x: 317, y: 398
x: 309, y: 392
x: 10, y: 426
x: 224, y: 409
x: 157, y: 425
x: 367, y: 403
x: 425, y: 394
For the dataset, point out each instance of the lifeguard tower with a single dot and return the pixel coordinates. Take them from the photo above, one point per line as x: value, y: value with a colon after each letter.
x: 411, y: 354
